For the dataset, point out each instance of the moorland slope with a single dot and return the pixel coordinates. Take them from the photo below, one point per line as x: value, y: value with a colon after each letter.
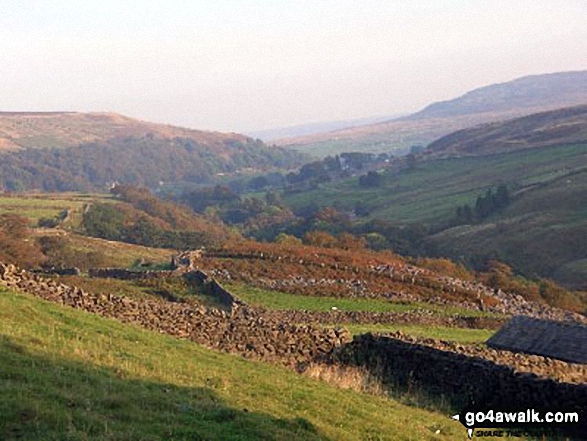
x: 556, y: 127
x: 88, y: 151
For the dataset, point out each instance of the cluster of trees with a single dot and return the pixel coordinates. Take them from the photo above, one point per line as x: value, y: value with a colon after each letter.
x: 498, y: 275
x: 19, y: 246
x: 16, y: 244
x: 485, y: 206
x: 370, y: 180
x: 376, y: 234
x: 147, y: 220
x: 146, y: 161
x: 261, y: 218
x: 113, y: 223
x: 59, y: 252
x: 334, y: 167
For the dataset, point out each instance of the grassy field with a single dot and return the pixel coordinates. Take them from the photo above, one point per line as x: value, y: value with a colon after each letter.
x: 542, y: 232
x: 437, y: 332
x: 170, y: 289
x: 49, y: 205
x: 283, y: 301
x: 432, y: 190
x: 66, y: 374
x: 120, y: 254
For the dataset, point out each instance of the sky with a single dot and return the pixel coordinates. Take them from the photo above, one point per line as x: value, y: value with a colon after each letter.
x: 246, y: 65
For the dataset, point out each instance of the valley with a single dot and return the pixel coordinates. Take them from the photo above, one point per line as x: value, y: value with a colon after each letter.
x: 163, y: 282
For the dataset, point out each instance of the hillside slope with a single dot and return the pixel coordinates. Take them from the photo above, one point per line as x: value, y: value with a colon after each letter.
x: 69, y: 374
x: 541, y: 233
x: 496, y: 102
x: 556, y: 127
x: 20, y: 130
x: 79, y: 151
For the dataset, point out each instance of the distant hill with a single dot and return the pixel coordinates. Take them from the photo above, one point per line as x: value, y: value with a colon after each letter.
x: 531, y: 92
x: 312, y: 128
x: 496, y: 102
x: 89, y: 151
x: 20, y: 130
x: 556, y: 127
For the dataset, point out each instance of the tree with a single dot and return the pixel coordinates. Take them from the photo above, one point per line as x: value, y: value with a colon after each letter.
x: 320, y: 239
x: 258, y: 183
x: 411, y: 161
x: 377, y: 241
x: 287, y: 239
x: 464, y: 215
x: 502, y: 196
x: 347, y: 241
x: 104, y: 221
x: 16, y: 245
x: 371, y: 179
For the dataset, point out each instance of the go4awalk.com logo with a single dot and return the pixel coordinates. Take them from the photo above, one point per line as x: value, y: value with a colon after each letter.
x: 520, y: 423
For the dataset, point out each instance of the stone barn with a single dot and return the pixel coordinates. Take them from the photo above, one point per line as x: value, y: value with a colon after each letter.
x: 565, y: 341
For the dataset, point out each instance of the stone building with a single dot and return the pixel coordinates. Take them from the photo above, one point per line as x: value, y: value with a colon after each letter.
x: 566, y: 341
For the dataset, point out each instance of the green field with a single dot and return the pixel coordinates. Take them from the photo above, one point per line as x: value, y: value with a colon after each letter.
x: 120, y: 254
x: 284, y: 301
x: 48, y: 205
x: 541, y: 233
x: 433, y: 190
x: 66, y: 374
x: 459, y: 335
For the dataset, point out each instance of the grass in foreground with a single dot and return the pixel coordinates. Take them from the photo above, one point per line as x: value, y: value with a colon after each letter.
x: 283, y: 301
x: 459, y: 335
x: 66, y: 374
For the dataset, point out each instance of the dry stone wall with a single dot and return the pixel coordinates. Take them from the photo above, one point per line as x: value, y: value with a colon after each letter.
x: 460, y: 379
x: 523, y: 363
x: 460, y: 374
x: 125, y: 274
x: 243, y: 331
x: 416, y: 317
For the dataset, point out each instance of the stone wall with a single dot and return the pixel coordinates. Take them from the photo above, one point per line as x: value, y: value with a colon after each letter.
x: 125, y: 274
x: 459, y: 379
x: 459, y: 374
x: 367, y: 317
x: 243, y: 331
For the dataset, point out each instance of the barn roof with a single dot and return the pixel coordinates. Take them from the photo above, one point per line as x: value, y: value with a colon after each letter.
x: 566, y: 341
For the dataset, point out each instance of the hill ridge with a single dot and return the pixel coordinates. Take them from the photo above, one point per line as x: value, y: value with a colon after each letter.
x: 495, y: 102
x: 563, y: 126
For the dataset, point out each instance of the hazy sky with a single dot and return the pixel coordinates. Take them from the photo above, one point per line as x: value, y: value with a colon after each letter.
x: 241, y: 65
